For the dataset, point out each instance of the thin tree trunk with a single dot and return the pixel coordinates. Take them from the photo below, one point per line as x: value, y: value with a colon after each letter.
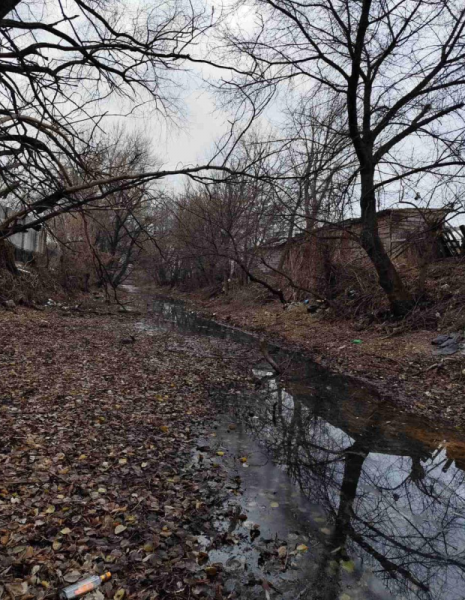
x: 7, y: 257
x: 399, y: 298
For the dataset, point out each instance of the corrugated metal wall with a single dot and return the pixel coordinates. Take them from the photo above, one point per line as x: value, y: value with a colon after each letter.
x: 28, y: 241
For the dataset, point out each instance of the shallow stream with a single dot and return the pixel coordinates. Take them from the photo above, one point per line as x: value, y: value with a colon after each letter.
x: 374, y: 498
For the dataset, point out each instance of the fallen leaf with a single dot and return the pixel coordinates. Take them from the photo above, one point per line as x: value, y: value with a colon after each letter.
x: 282, y: 552
x: 302, y: 548
x: 119, y: 529
x: 220, y: 453
x: 50, y: 510
x: 348, y: 565
x: 243, y: 459
x: 274, y: 505
x: 72, y: 577
x: 17, y: 589
x: 119, y: 595
x: 65, y: 531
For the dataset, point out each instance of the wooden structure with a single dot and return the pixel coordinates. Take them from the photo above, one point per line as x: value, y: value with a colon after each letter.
x: 26, y: 243
x: 411, y: 237
x: 453, y: 239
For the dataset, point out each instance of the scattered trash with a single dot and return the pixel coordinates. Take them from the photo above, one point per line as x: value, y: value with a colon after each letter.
x: 348, y: 565
x: 357, y: 342
x: 84, y: 586
x: 313, y: 308
x: 449, y: 344
x: 9, y: 304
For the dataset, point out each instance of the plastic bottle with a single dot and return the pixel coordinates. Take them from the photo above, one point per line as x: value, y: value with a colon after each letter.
x: 80, y: 588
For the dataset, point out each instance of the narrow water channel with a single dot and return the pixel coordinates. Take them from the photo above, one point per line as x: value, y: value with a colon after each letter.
x: 376, y: 496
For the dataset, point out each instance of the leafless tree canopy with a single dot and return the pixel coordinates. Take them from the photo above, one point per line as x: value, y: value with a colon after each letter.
x: 65, y: 68
x: 377, y: 110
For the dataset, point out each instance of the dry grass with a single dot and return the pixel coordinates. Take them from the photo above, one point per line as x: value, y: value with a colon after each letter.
x: 33, y: 285
x: 439, y: 303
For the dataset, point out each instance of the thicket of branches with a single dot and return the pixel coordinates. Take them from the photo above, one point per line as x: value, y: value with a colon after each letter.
x: 67, y: 71
x: 375, y: 116
x: 396, y: 68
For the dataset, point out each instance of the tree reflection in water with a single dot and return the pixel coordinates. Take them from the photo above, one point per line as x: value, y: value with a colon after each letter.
x: 395, y: 503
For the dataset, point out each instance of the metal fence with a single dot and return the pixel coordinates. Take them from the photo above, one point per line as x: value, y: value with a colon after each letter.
x: 26, y: 242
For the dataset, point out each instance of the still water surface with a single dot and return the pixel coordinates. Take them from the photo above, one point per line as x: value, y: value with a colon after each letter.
x: 376, y: 495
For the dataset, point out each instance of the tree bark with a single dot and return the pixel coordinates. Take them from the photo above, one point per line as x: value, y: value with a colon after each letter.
x: 8, y: 6
x: 7, y: 257
x: 399, y: 298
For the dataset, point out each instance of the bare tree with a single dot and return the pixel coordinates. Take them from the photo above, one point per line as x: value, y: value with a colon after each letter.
x: 317, y: 151
x: 65, y: 67
x: 121, y: 222
x: 399, y: 69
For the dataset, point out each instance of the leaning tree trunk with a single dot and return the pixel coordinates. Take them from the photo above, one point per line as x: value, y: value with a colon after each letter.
x: 399, y: 298
x: 7, y: 257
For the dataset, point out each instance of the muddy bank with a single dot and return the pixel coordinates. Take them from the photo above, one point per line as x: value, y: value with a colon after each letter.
x: 401, y: 366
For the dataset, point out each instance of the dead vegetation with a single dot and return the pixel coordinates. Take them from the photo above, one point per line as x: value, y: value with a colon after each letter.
x: 439, y: 298
x: 97, y: 457
x: 31, y: 286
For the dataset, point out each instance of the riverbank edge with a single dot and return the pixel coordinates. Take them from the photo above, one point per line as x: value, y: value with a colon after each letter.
x: 426, y: 387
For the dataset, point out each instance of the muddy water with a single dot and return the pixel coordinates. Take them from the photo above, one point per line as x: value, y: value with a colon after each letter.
x: 376, y: 496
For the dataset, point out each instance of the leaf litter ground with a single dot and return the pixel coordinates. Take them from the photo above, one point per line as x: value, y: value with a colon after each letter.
x: 96, y: 455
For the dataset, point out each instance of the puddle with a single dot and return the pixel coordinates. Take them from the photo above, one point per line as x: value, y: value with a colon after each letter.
x: 377, y: 497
